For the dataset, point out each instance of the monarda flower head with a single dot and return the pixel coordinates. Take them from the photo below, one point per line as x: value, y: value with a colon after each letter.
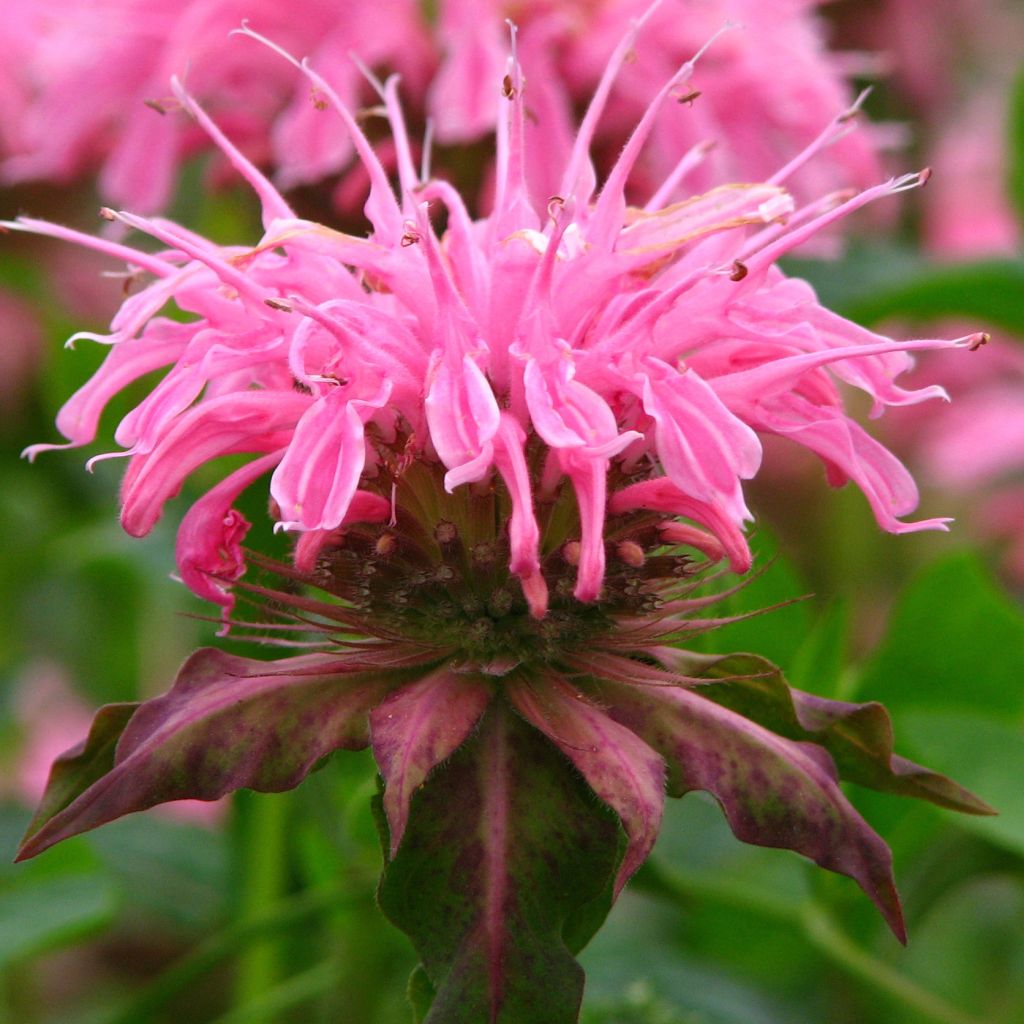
x: 486, y: 438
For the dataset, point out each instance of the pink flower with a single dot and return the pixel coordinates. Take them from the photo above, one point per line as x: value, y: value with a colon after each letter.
x: 767, y: 87
x: 20, y: 353
x: 953, y: 63
x: 483, y: 437
x: 635, y: 354
x: 121, y: 53
x: 974, y: 451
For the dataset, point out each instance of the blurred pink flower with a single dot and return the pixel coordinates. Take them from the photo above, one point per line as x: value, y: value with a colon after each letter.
x: 953, y: 62
x: 766, y: 86
x: 20, y: 352
x: 634, y: 353
x: 121, y: 53
x: 974, y: 450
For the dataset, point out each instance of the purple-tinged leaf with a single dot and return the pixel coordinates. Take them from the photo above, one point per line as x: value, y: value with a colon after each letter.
x: 620, y: 768
x: 78, y: 768
x: 506, y: 855
x: 226, y: 723
x: 417, y: 727
x: 774, y: 792
x: 858, y: 736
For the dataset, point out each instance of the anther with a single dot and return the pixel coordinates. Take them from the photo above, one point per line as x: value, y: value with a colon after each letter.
x: 631, y: 553
x: 107, y: 213
x: 155, y: 105
x: 446, y: 532
x: 923, y: 176
x: 688, y: 97
x: 411, y: 236
x: 508, y: 90
x: 739, y: 270
x: 977, y: 340
x: 483, y: 553
x: 280, y: 304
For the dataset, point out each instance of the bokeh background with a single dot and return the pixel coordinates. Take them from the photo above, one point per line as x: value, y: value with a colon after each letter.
x: 261, y: 909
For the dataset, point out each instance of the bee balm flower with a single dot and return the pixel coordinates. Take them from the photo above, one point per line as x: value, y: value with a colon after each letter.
x: 628, y: 357
x: 484, y: 438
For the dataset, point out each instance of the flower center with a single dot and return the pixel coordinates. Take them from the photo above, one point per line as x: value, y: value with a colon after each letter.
x: 439, y: 575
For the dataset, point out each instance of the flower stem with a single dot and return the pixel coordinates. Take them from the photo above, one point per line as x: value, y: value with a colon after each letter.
x: 817, y: 926
x: 262, y: 856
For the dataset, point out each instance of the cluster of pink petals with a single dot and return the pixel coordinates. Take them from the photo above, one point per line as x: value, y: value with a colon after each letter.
x: 659, y: 340
x: 767, y: 87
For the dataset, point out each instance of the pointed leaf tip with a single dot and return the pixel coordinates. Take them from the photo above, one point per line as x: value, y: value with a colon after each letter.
x: 773, y: 791
x: 227, y: 723
x: 859, y: 737
x: 74, y: 771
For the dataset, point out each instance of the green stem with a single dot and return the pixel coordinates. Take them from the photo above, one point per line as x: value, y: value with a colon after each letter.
x: 828, y: 938
x: 817, y: 927
x: 284, y: 914
x: 263, y: 863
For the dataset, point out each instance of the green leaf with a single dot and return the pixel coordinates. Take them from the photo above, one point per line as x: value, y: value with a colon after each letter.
x: 51, y: 912
x: 504, y: 851
x: 227, y: 723
x: 970, y: 946
x: 77, y: 769
x: 987, y: 754
x: 1015, y: 149
x: 954, y: 639
x: 876, y: 283
x: 859, y: 737
x: 780, y: 631
x: 987, y: 292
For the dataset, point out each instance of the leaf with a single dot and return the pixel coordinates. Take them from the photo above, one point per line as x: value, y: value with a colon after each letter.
x: 1015, y: 150
x: 781, y: 625
x: 416, y: 728
x: 51, y: 912
x: 859, y: 737
x: 774, y: 792
x: 78, y: 768
x: 619, y: 767
x: 227, y: 723
x: 877, y: 282
x: 954, y: 639
x: 505, y: 849
x: 420, y: 993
